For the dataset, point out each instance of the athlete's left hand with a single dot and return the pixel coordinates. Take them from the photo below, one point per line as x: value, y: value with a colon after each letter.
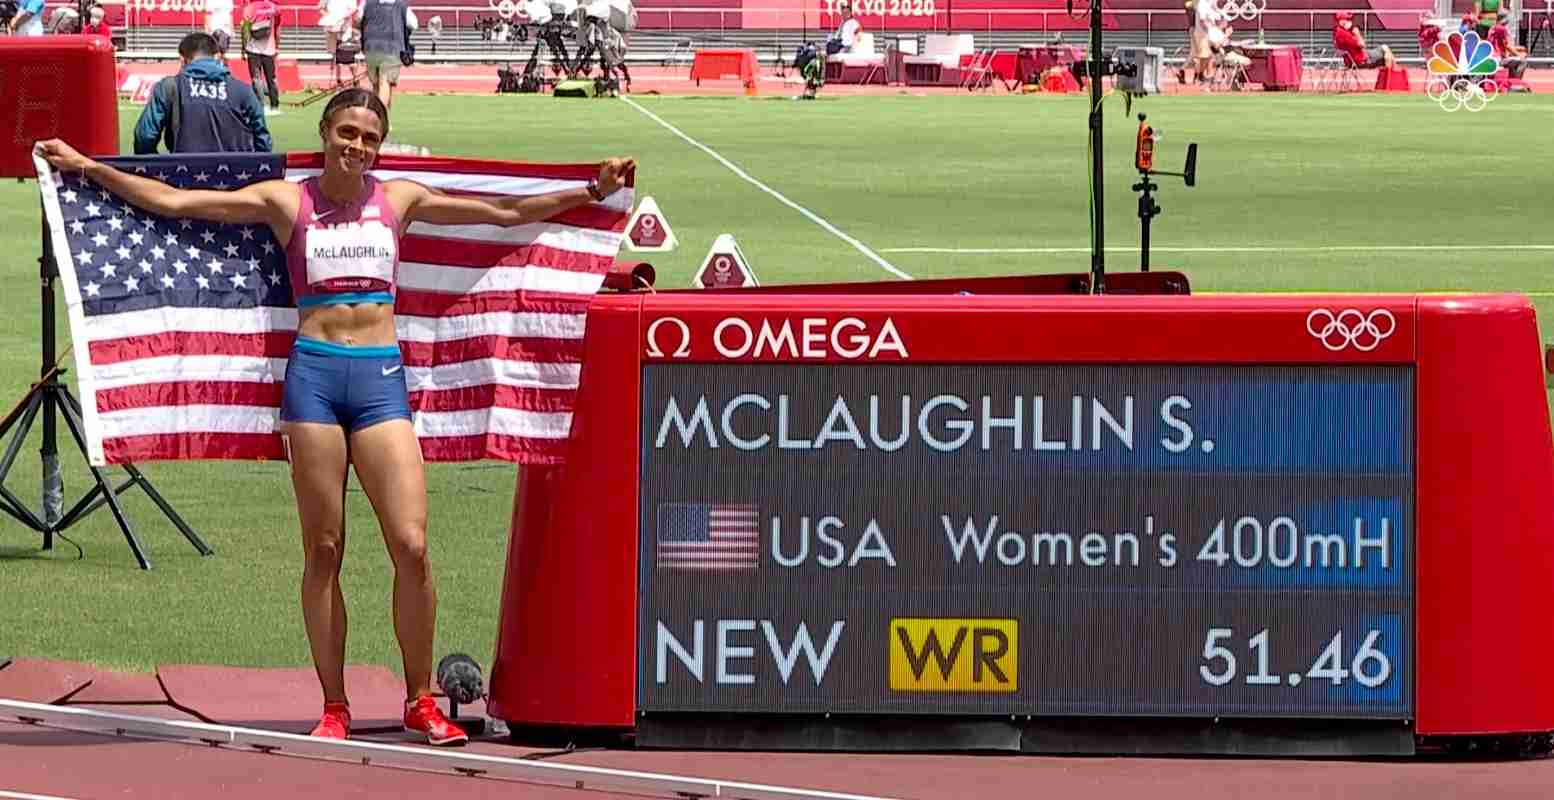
x: 614, y: 173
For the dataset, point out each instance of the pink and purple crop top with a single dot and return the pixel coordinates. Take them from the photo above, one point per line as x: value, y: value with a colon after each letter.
x: 343, y: 253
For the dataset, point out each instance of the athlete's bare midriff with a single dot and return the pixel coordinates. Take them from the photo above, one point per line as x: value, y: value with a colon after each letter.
x: 362, y: 325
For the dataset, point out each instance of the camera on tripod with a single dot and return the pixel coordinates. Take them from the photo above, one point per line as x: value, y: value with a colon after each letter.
x: 812, y: 66
x: 597, y: 30
x: 600, y: 34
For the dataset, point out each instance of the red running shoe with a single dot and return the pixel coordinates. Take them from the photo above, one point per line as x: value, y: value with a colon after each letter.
x: 423, y: 716
x: 336, y: 722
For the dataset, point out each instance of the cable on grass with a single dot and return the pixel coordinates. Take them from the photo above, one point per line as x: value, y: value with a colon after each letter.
x: 80, y: 554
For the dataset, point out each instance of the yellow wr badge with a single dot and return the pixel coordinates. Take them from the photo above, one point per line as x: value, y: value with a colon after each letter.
x: 954, y: 655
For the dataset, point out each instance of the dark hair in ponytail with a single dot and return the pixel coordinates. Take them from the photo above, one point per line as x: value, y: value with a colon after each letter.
x: 356, y: 98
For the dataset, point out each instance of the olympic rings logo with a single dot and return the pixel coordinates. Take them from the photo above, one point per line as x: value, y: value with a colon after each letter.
x: 506, y: 9
x: 1350, y: 328
x: 1248, y: 10
x: 1452, y: 95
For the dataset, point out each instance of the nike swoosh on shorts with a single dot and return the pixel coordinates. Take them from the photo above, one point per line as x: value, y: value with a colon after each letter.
x: 391, y: 370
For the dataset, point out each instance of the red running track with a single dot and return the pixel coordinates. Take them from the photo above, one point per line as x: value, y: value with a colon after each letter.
x: 46, y: 761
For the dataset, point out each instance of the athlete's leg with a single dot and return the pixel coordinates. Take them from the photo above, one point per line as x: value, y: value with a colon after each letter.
x: 389, y: 466
x: 318, y: 474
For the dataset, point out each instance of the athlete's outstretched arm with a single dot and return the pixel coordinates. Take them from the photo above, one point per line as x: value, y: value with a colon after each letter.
x: 261, y: 203
x: 430, y: 205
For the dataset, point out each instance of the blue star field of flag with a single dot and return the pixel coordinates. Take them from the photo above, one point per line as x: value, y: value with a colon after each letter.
x: 127, y: 259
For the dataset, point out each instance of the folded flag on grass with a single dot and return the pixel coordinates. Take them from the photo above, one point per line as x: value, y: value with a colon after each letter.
x: 182, y: 328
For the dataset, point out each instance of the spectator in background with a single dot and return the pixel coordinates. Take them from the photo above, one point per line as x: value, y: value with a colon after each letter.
x: 97, y: 26
x: 261, y: 44
x: 1207, y: 36
x: 338, y: 19
x: 1512, y: 58
x: 29, y: 18
x: 65, y: 21
x: 1485, y: 16
x: 1348, y: 40
x: 218, y: 23
x: 1429, y: 33
x: 202, y: 109
x: 1191, y: 61
x: 385, y: 30
x: 846, y: 35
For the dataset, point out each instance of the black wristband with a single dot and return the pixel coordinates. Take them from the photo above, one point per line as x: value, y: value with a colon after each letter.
x: 594, y: 191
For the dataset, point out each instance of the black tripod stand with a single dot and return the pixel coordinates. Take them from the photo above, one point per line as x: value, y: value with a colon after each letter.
x: 46, y: 397
x: 1095, y: 68
x: 597, y: 38
x: 1144, y: 160
x: 550, y: 35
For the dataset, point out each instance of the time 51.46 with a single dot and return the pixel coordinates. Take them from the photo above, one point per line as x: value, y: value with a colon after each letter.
x: 1368, y: 665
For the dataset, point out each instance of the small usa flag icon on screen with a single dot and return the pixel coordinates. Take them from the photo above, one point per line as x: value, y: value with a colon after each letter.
x: 708, y: 536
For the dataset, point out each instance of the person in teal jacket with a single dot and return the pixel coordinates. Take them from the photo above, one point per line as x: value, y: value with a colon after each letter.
x: 202, y: 109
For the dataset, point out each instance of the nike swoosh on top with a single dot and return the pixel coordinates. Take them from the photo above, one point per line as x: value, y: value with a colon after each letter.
x: 391, y: 370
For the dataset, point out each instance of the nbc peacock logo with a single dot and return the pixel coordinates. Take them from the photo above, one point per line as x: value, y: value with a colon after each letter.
x: 1462, y: 72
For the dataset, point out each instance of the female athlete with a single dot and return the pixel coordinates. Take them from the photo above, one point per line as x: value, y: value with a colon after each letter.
x: 345, y: 398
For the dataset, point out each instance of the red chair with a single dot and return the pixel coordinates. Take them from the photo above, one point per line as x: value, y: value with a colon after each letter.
x: 979, y: 73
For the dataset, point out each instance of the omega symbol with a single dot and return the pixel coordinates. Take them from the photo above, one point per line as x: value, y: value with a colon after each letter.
x: 684, y: 348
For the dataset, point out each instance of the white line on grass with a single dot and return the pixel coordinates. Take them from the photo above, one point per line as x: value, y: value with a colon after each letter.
x: 1233, y: 249
x: 812, y: 216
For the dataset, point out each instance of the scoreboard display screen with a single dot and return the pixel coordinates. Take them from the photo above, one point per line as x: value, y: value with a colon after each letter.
x: 1150, y: 540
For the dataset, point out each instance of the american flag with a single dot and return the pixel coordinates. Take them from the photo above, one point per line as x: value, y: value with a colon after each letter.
x: 182, y: 328
x: 707, y: 536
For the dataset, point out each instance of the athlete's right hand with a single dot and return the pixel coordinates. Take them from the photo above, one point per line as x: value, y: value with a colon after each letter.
x: 62, y: 156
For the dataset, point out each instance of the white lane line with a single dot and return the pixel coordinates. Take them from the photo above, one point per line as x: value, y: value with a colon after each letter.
x: 392, y: 756
x: 1356, y: 248
x: 25, y: 796
x: 812, y: 216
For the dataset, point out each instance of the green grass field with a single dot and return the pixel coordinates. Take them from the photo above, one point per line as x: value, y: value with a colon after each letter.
x: 1296, y: 193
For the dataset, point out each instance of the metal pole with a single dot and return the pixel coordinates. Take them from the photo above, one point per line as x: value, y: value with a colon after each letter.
x: 1145, y: 212
x: 53, y: 485
x: 1098, y: 227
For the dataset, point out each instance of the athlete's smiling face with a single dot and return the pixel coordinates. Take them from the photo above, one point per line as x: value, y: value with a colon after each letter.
x: 351, y: 137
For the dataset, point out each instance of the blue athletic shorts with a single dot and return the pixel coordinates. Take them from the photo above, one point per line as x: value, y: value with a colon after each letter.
x: 352, y: 387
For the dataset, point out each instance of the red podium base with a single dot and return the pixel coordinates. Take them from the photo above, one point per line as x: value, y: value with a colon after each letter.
x: 681, y: 574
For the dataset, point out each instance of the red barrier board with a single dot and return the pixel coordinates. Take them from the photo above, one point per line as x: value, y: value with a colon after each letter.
x: 1296, y: 510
